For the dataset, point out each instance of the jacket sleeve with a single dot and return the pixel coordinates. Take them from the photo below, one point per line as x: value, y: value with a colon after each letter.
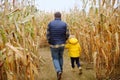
x: 67, y: 32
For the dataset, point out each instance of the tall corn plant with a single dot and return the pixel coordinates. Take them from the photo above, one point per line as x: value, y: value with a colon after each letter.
x: 19, y: 45
x: 98, y: 33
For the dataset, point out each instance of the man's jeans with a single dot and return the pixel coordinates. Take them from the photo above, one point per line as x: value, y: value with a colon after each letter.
x: 57, y: 56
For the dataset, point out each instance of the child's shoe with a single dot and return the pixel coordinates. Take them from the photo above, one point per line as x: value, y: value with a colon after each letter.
x: 80, y: 70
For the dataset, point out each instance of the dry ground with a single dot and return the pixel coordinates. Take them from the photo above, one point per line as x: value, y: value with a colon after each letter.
x: 47, y: 71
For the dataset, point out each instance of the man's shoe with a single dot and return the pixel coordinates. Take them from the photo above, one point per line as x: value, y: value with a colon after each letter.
x: 59, y: 75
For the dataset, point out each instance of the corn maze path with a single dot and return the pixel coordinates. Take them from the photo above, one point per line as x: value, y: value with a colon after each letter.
x: 47, y: 71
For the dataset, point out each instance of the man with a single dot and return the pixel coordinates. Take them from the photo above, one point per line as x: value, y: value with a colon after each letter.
x: 57, y: 34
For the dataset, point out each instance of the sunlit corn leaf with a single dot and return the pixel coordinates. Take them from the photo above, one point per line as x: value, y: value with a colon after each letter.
x: 17, y: 27
x: 26, y: 19
x: 13, y: 11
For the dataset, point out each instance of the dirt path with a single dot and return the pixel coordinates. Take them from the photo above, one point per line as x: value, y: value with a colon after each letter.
x: 47, y: 71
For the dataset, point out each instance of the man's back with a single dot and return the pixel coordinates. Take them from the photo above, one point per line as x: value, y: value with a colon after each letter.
x: 57, y: 31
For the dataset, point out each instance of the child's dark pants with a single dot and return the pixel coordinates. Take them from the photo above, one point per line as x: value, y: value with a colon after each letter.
x: 76, y: 59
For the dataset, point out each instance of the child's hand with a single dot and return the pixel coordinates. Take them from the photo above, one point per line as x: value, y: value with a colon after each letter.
x: 66, y: 42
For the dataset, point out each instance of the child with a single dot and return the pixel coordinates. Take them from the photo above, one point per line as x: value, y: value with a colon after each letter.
x: 74, y: 50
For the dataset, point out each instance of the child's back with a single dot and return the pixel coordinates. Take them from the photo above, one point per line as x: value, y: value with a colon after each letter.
x: 73, y: 47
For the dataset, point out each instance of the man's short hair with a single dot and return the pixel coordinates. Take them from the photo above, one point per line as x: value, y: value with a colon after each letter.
x: 57, y: 15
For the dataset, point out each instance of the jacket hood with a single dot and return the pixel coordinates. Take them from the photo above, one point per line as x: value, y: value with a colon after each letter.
x: 73, y: 40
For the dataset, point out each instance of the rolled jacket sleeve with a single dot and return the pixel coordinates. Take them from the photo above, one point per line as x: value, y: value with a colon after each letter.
x: 67, y: 32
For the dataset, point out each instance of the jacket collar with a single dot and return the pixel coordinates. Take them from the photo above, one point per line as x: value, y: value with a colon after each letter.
x: 57, y: 18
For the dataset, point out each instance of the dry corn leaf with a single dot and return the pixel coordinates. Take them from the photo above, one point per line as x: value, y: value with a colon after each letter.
x: 26, y: 19
x: 18, y: 54
x: 117, y: 42
x: 10, y: 75
x: 34, y: 69
x: 94, y: 58
x: 113, y: 3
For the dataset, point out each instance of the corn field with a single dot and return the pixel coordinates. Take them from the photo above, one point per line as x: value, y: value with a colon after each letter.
x: 23, y: 32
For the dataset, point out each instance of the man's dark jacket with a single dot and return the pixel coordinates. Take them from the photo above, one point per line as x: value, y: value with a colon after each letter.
x: 57, y: 32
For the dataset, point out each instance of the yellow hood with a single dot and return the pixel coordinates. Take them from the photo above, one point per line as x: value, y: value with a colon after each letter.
x: 73, y: 40
x: 73, y: 47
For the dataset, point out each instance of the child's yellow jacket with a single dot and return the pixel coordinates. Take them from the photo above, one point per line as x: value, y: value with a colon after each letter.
x: 73, y: 47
